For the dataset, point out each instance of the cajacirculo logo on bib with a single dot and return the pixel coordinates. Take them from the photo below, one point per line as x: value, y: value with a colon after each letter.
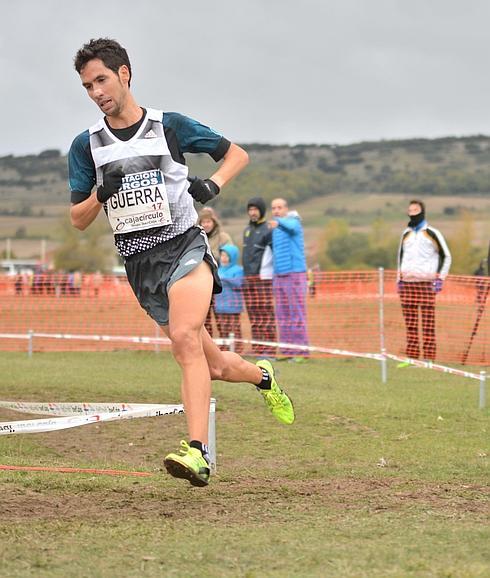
x: 141, y: 203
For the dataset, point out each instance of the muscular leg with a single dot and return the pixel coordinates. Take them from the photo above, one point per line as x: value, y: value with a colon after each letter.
x: 189, y: 300
x: 194, y: 350
x: 227, y: 365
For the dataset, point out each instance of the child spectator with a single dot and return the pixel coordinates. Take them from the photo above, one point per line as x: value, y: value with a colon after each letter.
x: 208, y: 220
x: 229, y: 303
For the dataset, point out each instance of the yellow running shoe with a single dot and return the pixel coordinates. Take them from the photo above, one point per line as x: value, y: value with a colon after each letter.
x: 275, y: 398
x: 190, y: 465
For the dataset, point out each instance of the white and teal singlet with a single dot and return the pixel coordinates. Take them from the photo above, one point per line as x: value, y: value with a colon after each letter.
x: 153, y: 204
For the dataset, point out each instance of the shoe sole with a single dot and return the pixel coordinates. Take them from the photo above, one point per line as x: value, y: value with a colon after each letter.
x: 178, y: 470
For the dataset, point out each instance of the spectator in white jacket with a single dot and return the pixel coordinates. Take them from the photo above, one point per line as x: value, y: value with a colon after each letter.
x: 423, y: 264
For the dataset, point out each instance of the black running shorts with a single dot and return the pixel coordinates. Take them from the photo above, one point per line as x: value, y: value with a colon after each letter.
x: 152, y: 273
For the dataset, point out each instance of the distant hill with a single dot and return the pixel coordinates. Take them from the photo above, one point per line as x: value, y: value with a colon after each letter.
x: 30, y: 185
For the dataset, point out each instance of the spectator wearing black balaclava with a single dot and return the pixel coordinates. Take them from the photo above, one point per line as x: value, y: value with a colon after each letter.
x: 423, y: 264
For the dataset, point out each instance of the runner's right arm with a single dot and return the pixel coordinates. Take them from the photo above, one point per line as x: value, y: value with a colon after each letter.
x: 84, y: 213
x: 81, y: 172
x: 81, y: 217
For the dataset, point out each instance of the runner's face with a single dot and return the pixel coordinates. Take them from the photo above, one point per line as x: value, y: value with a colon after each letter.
x: 106, y: 88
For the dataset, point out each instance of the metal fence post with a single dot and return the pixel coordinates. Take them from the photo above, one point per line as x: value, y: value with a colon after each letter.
x: 30, y: 344
x: 384, y: 372
x: 212, y: 435
x: 231, y: 337
x: 482, y: 400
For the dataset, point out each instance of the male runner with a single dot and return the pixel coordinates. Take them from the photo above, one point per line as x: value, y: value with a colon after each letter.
x: 134, y: 159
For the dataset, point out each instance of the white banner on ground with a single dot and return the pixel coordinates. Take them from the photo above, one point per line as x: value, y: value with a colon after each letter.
x: 74, y: 414
x: 70, y: 421
x: 83, y: 408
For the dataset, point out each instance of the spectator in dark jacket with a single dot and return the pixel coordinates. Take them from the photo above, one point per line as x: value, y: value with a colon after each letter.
x: 257, y: 288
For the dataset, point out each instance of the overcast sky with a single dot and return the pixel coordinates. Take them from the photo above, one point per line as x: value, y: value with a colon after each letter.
x: 270, y: 71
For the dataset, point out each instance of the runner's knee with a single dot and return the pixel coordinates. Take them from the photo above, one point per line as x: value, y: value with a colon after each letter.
x: 186, y: 343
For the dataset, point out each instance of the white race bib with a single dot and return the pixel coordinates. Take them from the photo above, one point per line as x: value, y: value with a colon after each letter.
x: 141, y: 203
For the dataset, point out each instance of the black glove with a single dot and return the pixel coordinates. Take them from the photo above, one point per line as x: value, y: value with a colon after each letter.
x: 111, y: 184
x: 203, y: 190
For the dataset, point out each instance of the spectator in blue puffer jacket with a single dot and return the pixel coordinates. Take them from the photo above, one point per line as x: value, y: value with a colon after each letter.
x: 229, y: 303
x: 289, y: 282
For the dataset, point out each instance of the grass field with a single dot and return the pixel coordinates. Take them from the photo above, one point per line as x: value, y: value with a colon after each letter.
x: 372, y: 480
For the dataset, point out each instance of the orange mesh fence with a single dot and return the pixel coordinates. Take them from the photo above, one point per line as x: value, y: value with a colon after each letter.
x: 84, y: 305
x: 452, y: 325
x: 356, y: 312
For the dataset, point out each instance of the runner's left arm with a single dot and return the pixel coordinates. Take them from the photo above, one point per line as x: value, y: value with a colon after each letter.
x: 194, y: 137
x: 234, y: 161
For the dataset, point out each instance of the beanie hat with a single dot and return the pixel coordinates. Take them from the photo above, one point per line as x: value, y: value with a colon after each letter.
x: 259, y: 203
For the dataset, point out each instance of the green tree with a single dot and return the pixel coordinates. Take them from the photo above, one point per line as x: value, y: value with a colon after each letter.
x: 465, y: 255
x: 83, y: 250
x: 341, y: 249
x: 348, y: 249
x: 383, y: 246
x: 335, y: 228
x: 380, y: 234
x: 375, y: 257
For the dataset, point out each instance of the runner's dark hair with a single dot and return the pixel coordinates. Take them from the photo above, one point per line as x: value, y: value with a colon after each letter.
x: 112, y: 54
